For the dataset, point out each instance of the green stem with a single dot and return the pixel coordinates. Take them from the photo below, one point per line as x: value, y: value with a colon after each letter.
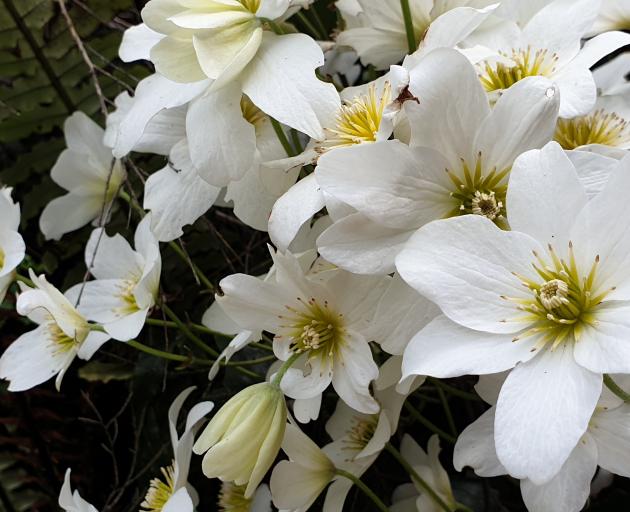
x: 364, y: 488
x: 24, y: 280
x: 277, y: 29
x: 614, y: 387
x: 284, y: 369
x: 320, y: 24
x: 282, y: 137
x: 166, y: 355
x: 415, y: 476
x: 187, y: 332
x: 453, y: 390
x: 411, y: 37
x: 447, y: 411
x: 307, y: 23
x: 433, y: 428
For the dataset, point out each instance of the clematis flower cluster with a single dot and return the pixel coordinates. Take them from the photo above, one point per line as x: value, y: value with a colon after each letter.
x: 443, y: 187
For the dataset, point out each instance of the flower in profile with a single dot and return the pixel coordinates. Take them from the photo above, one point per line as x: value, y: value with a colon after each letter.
x: 62, y: 334
x: 87, y: 170
x: 548, y: 300
x: 72, y: 501
x: 171, y: 492
x: 126, y: 284
x: 604, y: 444
x: 12, y: 247
x: 243, y: 439
x: 296, y: 483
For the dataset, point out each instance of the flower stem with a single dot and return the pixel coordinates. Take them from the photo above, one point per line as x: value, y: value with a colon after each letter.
x: 433, y: 428
x: 187, y: 332
x: 452, y: 390
x: 415, y: 476
x: 411, y: 37
x: 24, y: 280
x: 284, y: 369
x: 166, y: 355
x: 364, y: 488
x: 282, y: 137
x: 614, y: 387
x: 307, y: 23
x: 447, y: 411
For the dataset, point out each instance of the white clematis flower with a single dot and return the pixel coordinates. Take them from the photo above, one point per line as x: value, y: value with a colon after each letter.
x: 72, y: 501
x: 63, y: 334
x: 427, y: 464
x: 296, y: 483
x: 458, y: 163
x: 547, y: 45
x: 321, y: 317
x: 549, y: 298
x: 603, y: 444
x: 126, y: 284
x: 172, y: 492
x: 12, y: 247
x: 606, y: 129
x: 87, y: 170
x: 376, y: 30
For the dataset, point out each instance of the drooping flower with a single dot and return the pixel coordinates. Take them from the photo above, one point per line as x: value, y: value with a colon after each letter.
x: 243, y: 439
x: 547, y: 44
x: 604, y: 444
x: 90, y: 174
x: 62, y: 334
x: 12, y: 247
x: 126, y: 284
x: 458, y: 162
x: 72, y: 501
x: 321, y: 317
x: 171, y: 492
x: 549, y: 299
x: 296, y: 483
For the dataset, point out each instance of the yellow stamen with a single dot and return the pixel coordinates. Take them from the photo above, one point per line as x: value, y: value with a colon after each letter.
x: 600, y: 127
x: 528, y: 62
x: 159, y: 491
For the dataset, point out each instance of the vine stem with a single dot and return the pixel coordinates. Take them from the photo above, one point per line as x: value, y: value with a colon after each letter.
x: 187, y: 332
x: 614, y: 387
x: 415, y: 476
x: 282, y: 137
x: 364, y: 489
x: 284, y: 369
x: 166, y: 355
x: 433, y: 428
x: 411, y: 37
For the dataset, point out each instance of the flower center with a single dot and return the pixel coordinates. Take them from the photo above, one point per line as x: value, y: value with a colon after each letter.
x: 60, y: 340
x: 361, y: 432
x: 600, y: 127
x: 232, y: 498
x: 251, y: 5
x: 159, y: 491
x: 359, y: 120
x: 563, y: 302
x: 314, y: 328
x: 251, y: 113
x: 131, y: 306
x: 478, y: 192
x: 498, y: 76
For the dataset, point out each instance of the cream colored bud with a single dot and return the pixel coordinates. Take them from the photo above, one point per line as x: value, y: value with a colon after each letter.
x: 244, y: 437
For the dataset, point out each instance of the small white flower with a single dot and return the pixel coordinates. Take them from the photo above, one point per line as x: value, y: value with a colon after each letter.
x: 126, y: 284
x: 63, y: 334
x: 72, y: 501
x: 171, y: 492
x: 458, y: 162
x: 12, y: 247
x: 90, y: 174
x: 604, y: 444
x: 549, y: 299
x: 320, y: 317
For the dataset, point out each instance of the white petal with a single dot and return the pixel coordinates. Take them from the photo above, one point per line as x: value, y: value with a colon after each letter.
x: 603, y: 346
x: 475, y: 447
x: 295, y: 487
x: 272, y: 9
x: 524, y: 118
x: 570, y: 488
x: 293, y: 210
x: 593, y: 170
x: 222, y: 143
x: 67, y: 213
x: 111, y: 257
x: 611, y: 431
x: 179, y: 502
x: 578, y: 91
x: 453, y: 104
x: 600, y: 46
x: 464, y: 265
x: 91, y: 344
x: 281, y: 81
x: 446, y: 349
x: 84, y: 136
x: 137, y: 42
x: 13, y: 250
x: 358, y: 244
x: 543, y: 410
x: 545, y: 195
x: 177, y: 59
